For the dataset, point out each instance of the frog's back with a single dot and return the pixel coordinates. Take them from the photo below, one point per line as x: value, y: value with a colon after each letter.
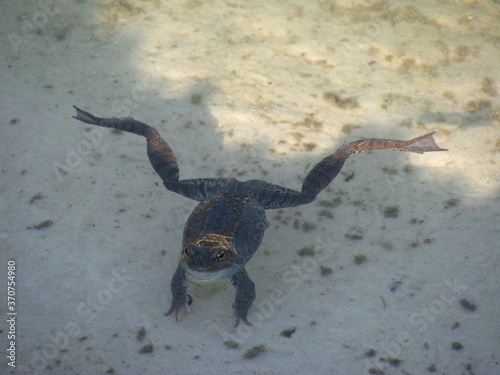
x: 239, y: 218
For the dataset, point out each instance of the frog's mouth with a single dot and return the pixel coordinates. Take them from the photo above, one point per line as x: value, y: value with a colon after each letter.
x: 204, y: 275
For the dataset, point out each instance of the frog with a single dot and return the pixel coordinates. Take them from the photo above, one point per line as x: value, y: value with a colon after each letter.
x: 226, y: 228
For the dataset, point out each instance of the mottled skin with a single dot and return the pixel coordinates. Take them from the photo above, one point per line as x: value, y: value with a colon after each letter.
x: 226, y: 228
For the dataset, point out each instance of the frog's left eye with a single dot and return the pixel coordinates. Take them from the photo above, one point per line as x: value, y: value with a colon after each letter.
x: 219, y: 255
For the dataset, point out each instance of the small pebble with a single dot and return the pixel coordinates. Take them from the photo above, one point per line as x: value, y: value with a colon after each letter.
x: 359, y: 258
x: 255, y: 351
x: 456, y: 345
x: 467, y: 304
x: 370, y: 353
x: 148, y: 348
x: 230, y: 344
x: 141, y: 333
x: 288, y: 332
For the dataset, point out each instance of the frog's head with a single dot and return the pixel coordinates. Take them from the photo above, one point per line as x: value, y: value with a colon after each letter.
x: 211, y: 256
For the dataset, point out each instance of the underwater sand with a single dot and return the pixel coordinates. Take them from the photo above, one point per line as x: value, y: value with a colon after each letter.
x: 403, y: 276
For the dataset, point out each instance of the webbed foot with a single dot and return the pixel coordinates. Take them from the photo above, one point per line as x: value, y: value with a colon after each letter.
x: 86, y: 117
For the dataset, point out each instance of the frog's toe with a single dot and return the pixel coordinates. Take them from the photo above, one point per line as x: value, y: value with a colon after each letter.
x: 238, y: 317
x: 179, y: 310
x: 178, y: 307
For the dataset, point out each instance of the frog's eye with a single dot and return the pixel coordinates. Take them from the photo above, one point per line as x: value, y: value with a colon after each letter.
x: 187, y: 251
x: 219, y: 255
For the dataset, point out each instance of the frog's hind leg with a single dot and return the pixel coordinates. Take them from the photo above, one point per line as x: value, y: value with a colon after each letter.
x: 162, y: 157
x: 327, y: 169
x: 160, y: 154
x: 274, y: 196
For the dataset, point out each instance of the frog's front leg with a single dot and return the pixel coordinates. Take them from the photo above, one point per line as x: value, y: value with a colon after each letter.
x: 245, y: 295
x: 180, y: 298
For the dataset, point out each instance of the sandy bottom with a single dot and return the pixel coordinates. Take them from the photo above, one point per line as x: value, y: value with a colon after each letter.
x: 392, y: 270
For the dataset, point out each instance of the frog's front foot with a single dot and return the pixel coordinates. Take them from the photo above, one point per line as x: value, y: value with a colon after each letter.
x: 245, y: 295
x: 179, y: 305
x: 241, y: 315
x: 180, y: 297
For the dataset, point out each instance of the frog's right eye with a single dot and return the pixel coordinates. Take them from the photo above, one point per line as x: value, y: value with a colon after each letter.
x: 187, y: 251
